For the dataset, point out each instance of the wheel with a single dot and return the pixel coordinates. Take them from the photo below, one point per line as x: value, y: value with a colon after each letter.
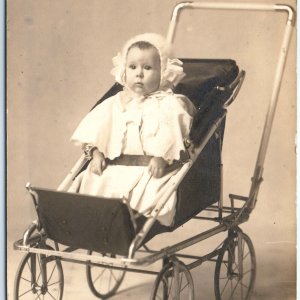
x: 29, y: 282
x: 165, y: 286
x: 235, y: 268
x: 103, y: 282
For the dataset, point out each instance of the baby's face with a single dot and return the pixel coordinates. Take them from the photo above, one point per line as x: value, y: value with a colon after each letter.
x: 142, y: 74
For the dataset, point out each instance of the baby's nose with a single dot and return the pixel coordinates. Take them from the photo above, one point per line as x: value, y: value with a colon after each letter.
x: 140, y: 72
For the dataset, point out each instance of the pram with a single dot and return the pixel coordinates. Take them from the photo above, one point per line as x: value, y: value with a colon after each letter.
x: 81, y: 222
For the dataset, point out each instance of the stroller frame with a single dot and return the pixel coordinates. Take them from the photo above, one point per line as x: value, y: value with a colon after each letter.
x: 35, y: 242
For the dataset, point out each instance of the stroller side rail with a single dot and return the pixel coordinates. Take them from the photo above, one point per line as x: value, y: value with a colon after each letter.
x: 71, y: 175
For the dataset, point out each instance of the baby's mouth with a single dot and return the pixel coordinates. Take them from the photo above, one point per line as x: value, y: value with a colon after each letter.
x: 139, y: 84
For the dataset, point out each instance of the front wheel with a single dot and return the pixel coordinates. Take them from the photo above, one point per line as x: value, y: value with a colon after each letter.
x: 39, y: 277
x: 173, y: 282
x: 235, y: 268
x: 103, y: 282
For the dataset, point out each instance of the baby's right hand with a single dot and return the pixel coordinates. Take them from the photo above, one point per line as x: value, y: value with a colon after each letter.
x: 98, y: 163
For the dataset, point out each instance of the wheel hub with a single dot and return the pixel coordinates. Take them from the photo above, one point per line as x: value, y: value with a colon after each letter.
x: 36, y: 288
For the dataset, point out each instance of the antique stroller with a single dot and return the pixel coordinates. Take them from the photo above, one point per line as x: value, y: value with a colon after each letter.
x: 114, y: 237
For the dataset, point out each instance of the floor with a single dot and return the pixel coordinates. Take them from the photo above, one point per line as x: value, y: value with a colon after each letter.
x: 275, y: 277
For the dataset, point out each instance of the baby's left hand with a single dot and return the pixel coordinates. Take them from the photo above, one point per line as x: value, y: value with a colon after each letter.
x: 157, y: 167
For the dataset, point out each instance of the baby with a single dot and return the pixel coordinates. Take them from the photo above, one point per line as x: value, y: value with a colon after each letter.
x: 134, y: 137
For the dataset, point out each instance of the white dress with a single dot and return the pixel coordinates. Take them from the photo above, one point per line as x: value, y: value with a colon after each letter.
x: 153, y: 126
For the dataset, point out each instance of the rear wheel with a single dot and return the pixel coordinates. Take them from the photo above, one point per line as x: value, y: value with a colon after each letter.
x: 173, y: 282
x: 235, y: 268
x: 103, y: 282
x: 29, y: 282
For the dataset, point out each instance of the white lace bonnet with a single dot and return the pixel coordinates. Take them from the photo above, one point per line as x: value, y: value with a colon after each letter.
x: 171, y: 68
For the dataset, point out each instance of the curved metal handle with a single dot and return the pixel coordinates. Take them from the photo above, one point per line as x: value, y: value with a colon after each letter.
x: 225, y: 6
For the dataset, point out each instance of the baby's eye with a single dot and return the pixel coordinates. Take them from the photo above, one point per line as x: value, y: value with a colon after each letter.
x: 147, y: 67
x: 133, y: 67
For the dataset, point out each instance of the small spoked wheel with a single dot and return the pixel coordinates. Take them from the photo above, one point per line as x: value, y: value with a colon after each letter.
x: 173, y: 282
x: 39, y: 277
x: 235, y: 268
x: 103, y: 281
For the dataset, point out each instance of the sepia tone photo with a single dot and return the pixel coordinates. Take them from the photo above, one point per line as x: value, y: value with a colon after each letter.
x: 151, y: 149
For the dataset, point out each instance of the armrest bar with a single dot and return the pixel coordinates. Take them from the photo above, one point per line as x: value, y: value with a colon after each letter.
x: 234, y: 88
x: 237, y: 197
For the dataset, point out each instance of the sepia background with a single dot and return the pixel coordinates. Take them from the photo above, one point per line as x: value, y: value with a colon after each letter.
x: 58, y: 65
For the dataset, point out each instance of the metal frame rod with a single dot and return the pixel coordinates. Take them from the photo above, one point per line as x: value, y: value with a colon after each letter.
x: 70, y: 176
x: 271, y: 113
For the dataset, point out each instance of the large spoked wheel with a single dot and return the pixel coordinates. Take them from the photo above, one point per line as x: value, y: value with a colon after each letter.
x: 235, y: 268
x: 173, y: 282
x: 39, y: 277
x: 103, y: 282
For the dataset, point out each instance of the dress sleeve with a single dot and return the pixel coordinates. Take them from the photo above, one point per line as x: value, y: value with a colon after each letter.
x: 174, y: 120
x: 94, y: 128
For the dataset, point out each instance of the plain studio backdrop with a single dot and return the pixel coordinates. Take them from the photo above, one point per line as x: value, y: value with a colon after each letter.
x: 58, y: 65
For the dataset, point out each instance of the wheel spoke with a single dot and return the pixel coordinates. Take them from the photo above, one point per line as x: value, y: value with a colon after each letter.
x: 225, y: 265
x: 25, y: 293
x: 109, y: 280
x: 181, y: 276
x: 247, y: 272
x: 112, y: 273
x: 57, y: 282
x: 52, y: 273
x: 158, y: 297
x: 183, y: 287
x: 29, y: 266
x: 234, y: 290
x: 224, y: 287
x: 38, y: 296
x: 99, y: 275
x: 244, y: 285
x: 50, y: 295
x: 37, y: 279
x: 170, y: 287
x: 246, y: 255
x: 26, y: 279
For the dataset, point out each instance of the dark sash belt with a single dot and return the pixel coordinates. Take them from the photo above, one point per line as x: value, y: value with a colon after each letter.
x: 139, y: 160
x: 130, y: 160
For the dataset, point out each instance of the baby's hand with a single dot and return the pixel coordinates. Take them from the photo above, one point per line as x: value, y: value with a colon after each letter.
x: 157, y: 167
x: 98, y: 163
